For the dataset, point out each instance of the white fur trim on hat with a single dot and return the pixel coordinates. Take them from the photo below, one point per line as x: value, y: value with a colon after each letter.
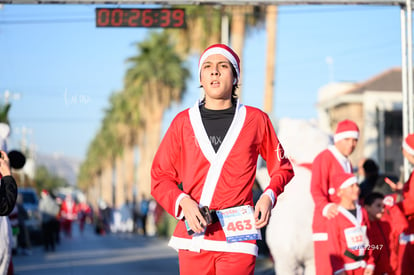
x: 348, y: 182
x: 347, y: 134
x: 407, y: 147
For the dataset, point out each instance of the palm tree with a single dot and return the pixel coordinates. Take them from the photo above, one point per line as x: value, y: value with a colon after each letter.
x: 4, y: 113
x: 158, y: 77
x: 102, y: 156
x: 243, y: 19
x: 203, y: 29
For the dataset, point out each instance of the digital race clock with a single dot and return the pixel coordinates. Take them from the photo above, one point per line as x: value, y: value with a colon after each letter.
x: 147, y: 18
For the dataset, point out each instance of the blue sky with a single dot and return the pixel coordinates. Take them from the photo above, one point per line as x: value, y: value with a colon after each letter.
x: 65, y: 69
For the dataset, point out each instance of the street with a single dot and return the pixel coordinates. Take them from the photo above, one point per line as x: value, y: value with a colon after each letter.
x: 121, y: 253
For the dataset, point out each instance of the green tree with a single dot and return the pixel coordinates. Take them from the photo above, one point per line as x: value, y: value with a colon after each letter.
x: 157, y: 78
x: 4, y: 113
x: 203, y: 29
x: 45, y: 180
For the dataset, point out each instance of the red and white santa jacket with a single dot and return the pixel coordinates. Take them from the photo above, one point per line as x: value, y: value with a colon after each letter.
x: 69, y: 210
x: 407, y: 207
x: 398, y: 224
x: 325, y: 167
x: 218, y: 180
x: 348, y: 241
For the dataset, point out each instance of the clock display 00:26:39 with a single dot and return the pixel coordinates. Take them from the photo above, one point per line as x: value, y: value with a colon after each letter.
x: 148, y: 18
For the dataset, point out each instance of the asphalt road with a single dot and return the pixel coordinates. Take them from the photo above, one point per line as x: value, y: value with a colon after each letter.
x: 114, y: 254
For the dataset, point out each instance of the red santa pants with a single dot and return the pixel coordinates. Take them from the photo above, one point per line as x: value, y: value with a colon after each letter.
x: 67, y: 227
x: 215, y: 263
x: 321, y: 256
x: 406, y: 257
x: 321, y: 245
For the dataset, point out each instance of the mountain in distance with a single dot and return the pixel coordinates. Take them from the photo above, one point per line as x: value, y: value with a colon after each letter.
x: 60, y: 165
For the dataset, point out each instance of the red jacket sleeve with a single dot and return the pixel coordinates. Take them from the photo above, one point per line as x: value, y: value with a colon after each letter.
x: 278, y: 165
x: 164, y: 171
x: 407, y: 204
x: 320, y: 183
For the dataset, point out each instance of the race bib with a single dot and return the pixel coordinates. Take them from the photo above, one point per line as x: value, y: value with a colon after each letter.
x: 356, y: 237
x: 238, y: 223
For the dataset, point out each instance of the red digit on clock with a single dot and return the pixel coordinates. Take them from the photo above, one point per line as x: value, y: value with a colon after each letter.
x: 165, y: 18
x: 133, y: 19
x: 103, y: 17
x: 116, y: 18
x: 178, y: 17
x: 147, y: 19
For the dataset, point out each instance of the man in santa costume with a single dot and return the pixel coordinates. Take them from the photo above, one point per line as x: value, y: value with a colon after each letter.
x: 68, y: 214
x: 212, y: 150
x: 351, y: 252
x: 406, y: 250
x: 327, y: 164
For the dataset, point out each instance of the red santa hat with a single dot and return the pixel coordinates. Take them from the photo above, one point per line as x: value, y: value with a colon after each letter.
x: 44, y: 192
x: 346, y: 129
x: 227, y: 52
x: 408, y: 144
x: 341, y: 181
x: 344, y: 180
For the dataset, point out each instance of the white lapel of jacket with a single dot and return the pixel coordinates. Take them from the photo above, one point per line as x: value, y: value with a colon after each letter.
x: 216, y: 160
x: 345, y: 163
x: 355, y: 220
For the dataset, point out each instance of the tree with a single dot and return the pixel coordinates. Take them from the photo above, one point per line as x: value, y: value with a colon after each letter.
x: 158, y: 78
x: 155, y: 79
x: 45, y: 180
x: 243, y: 19
x: 4, y: 113
x: 203, y: 29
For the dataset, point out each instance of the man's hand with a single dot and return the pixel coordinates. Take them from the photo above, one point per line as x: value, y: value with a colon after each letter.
x: 4, y: 164
x: 368, y: 271
x: 332, y: 211
x: 193, y: 215
x: 263, y: 209
x: 394, y: 186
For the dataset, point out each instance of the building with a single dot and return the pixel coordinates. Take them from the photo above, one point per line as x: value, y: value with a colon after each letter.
x: 376, y: 106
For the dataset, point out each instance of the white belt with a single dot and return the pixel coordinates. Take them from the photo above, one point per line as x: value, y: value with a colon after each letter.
x: 404, y: 239
x: 355, y: 265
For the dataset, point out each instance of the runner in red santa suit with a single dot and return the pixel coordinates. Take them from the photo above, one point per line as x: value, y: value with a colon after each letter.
x: 68, y: 213
x: 212, y: 149
x: 330, y: 162
x: 406, y: 249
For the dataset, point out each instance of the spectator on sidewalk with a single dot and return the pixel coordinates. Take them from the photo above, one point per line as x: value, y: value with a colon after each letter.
x: 49, y: 210
x: 144, y: 208
x: 8, y: 186
x: 373, y: 182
